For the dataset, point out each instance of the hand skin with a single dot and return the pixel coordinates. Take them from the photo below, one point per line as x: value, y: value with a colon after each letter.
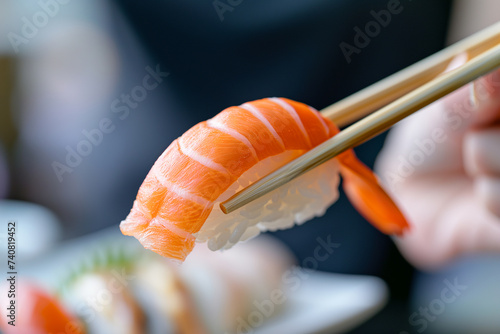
x: 442, y: 165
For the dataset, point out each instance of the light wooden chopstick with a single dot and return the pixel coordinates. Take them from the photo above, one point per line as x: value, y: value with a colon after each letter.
x: 384, y: 118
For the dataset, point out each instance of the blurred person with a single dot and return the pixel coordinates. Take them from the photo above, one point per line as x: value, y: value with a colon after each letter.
x: 208, y: 56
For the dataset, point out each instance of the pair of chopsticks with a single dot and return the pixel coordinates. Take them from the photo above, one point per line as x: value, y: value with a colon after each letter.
x: 423, y: 83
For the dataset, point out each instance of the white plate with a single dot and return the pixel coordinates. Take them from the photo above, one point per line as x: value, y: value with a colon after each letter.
x: 322, y: 303
x: 329, y: 303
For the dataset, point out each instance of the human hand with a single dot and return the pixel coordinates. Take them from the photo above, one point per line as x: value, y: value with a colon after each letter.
x: 443, y: 167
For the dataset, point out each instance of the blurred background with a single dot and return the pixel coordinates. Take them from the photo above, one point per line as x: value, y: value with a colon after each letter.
x: 80, y: 126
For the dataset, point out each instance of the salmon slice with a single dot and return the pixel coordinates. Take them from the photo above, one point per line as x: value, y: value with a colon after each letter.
x: 40, y: 313
x: 185, y: 182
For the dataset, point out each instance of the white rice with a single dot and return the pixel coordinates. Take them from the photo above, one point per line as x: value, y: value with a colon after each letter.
x: 300, y: 200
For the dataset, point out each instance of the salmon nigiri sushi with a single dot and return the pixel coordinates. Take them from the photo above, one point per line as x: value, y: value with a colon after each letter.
x: 178, y: 202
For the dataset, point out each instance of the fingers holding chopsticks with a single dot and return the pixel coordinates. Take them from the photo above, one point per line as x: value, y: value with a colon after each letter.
x: 449, y: 185
x: 481, y: 140
x: 476, y: 103
x: 481, y: 156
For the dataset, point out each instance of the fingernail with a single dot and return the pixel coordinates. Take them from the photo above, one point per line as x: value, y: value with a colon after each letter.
x: 457, y: 62
x: 484, y: 89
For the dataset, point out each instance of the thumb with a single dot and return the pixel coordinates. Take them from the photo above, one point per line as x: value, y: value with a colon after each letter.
x: 475, y: 104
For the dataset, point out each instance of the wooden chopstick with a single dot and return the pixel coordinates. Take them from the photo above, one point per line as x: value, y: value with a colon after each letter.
x: 373, y: 97
x: 369, y: 127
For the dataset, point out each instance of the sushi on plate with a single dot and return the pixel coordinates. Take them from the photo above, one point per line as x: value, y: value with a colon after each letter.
x: 124, y: 289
